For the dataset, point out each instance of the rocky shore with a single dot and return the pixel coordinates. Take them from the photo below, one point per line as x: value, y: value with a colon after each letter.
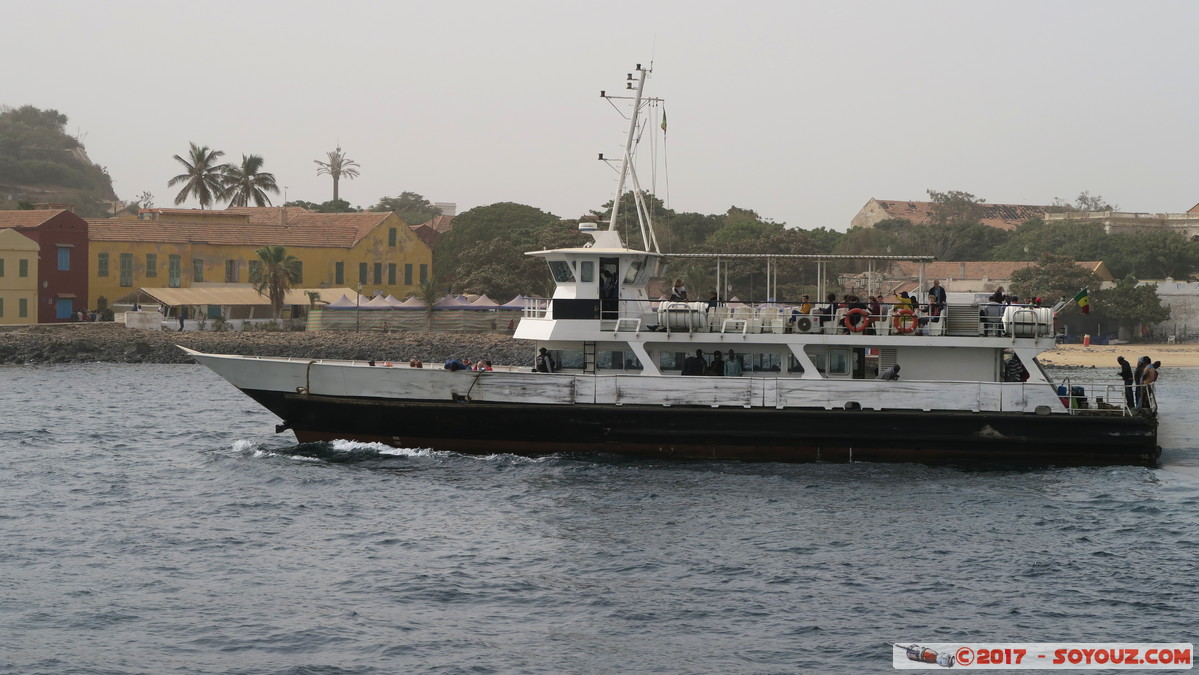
x: 114, y: 343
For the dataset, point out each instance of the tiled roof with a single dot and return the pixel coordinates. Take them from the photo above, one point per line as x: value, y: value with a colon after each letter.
x: 157, y: 231
x: 441, y: 224
x: 25, y: 217
x: 256, y: 226
x: 427, y: 234
x: 1002, y: 216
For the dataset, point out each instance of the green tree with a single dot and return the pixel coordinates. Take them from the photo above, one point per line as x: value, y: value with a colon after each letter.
x: 1075, y: 239
x: 1053, y: 277
x: 1129, y: 304
x: 246, y: 183
x: 519, y: 224
x: 627, y: 223
x: 1084, y: 202
x: 332, y: 206
x: 35, y: 150
x: 1153, y: 254
x: 955, y: 207
x: 275, y: 276
x: 202, y: 178
x: 412, y: 208
x: 339, y: 166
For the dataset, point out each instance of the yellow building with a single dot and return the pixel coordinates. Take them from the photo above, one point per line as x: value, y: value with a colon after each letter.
x: 18, y: 277
x: 185, y: 248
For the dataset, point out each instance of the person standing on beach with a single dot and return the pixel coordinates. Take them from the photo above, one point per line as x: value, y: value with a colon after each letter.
x: 1126, y: 375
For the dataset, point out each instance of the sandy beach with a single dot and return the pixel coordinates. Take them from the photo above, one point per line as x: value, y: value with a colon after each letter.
x: 1104, y: 356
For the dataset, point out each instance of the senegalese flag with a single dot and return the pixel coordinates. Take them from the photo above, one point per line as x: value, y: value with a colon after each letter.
x: 1083, y: 301
x: 663, y: 121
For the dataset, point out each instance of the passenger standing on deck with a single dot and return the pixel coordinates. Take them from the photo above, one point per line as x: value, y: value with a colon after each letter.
x: 679, y: 291
x: 998, y: 295
x: 695, y: 365
x: 542, y: 362
x: 717, y: 367
x: 732, y: 365
x: 936, y: 300
x: 1137, y: 378
x: 1126, y: 375
x: 1148, y: 377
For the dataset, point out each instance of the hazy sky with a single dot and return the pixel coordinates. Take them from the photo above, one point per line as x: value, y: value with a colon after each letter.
x: 799, y: 110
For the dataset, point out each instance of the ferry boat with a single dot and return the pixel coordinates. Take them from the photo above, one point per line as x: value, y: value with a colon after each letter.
x: 611, y: 374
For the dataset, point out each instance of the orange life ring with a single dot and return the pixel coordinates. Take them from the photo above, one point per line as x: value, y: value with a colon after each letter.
x: 862, y: 325
x: 901, y: 320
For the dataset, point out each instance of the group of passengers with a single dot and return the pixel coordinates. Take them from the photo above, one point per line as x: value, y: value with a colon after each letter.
x: 860, y: 315
x: 718, y: 366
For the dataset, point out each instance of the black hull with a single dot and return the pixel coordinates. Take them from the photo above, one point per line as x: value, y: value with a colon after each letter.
x: 787, y: 435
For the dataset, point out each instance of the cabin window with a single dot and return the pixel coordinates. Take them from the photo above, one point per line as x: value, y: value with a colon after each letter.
x: 631, y: 275
x: 793, y: 365
x: 671, y: 361
x: 587, y: 271
x: 568, y: 358
x: 616, y: 360
x: 561, y: 271
x: 838, y: 362
x: 765, y: 363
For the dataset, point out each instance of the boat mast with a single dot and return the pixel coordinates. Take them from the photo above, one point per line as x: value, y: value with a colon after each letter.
x: 626, y: 165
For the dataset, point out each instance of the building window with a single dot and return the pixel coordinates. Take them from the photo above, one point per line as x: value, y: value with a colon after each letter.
x: 339, y: 273
x: 174, y: 271
x: 102, y: 265
x: 22, y: 308
x: 362, y: 273
x: 1, y: 306
x: 23, y: 267
x: 391, y: 237
x: 255, y: 271
x: 1, y: 267
x: 391, y: 274
x: 197, y: 269
x: 230, y: 271
x: 64, y: 258
x: 298, y: 266
x: 424, y: 273
x: 378, y: 273
x: 151, y: 265
x: 126, y: 269
x: 407, y: 274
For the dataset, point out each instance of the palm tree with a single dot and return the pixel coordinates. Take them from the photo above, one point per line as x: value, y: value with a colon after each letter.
x: 338, y: 167
x: 246, y: 183
x: 203, y: 177
x: 275, y: 276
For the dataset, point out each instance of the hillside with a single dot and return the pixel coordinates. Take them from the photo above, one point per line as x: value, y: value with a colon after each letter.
x: 40, y: 162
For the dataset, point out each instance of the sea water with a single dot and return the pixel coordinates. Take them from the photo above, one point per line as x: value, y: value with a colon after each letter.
x: 152, y: 522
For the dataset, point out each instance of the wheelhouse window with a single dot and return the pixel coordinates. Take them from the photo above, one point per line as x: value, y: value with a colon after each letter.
x: 587, y: 271
x: 561, y: 271
x: 631, y: 275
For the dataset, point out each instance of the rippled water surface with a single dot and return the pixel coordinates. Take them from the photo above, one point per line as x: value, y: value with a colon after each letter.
x: 152, y: 522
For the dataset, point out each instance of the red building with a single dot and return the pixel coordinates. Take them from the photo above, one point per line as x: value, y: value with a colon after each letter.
x: 62, y: 259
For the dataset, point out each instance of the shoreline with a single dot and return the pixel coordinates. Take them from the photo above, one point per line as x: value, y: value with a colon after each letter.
x: 1104, y: 356
x: 108, y: 342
